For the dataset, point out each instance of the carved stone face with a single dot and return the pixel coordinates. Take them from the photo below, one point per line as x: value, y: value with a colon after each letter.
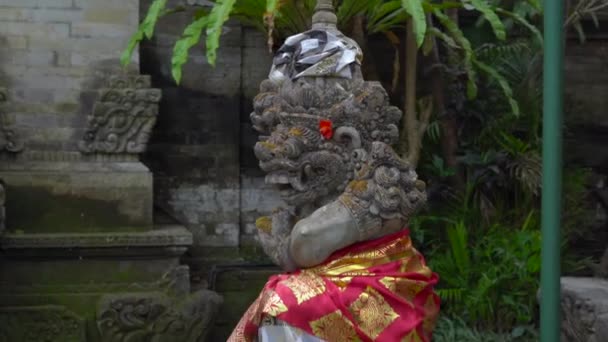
x: 307, y: 168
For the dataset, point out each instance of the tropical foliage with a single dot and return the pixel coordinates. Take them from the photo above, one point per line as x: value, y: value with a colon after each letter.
x: 480, y: 125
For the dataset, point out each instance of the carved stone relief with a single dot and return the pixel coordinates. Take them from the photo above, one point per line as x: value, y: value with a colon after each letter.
x: 123, y: 117
x: 156, y: 317
x: 9, y: 141
x: 41, y: 323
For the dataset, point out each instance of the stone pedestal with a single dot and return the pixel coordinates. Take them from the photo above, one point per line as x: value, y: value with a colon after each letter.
x: 82, y: 258
x: 584, y: 309
x: 122, y: 286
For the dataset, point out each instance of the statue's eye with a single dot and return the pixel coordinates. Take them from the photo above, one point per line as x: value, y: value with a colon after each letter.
x: 320, y: 170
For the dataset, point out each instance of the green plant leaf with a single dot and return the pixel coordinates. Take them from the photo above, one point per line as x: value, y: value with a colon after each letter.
x: 190, y: 37
x: 217, y: 17
x: 416, y: 11
x: 386, y: 17
x: 430, y: 7
x: 457, y: 235
x: 502, y: 82
x: 497, y: 25
x: 145, y: 29
x: 272, y: 6
x: 521, y: 20
x: 444, y: 37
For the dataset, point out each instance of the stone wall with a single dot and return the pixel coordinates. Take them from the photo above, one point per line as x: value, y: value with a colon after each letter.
x: 50, y: 54
x: 200, y: 153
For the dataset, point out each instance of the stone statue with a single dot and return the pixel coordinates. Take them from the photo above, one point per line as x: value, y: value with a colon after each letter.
x: 352, y: 271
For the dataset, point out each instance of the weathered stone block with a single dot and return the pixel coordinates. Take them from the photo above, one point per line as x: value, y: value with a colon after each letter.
x: 34, y: 57
x: 19, y: 3
x: 115, y: 16
x: 41, y: 323
x: 16, y: 14
x: 13, y: 41
x: 584, y: 310
x: 49, y: 15
x: 55, y: 3
x: 49, y: 30
x: 90, y: 29
x: 77, y: 196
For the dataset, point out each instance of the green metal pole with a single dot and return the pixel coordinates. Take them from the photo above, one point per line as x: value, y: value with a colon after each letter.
x: 552, y: 171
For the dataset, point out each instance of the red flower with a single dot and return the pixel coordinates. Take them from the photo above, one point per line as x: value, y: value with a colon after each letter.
x: 326, y: 129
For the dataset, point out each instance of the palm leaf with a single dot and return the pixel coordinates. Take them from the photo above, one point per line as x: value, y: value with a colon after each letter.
x: 497, y: 25
x: 416, y: 11
x: 444, y: 37
x: 386, y: 17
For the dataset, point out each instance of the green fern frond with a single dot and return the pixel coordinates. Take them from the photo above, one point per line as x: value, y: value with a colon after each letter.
x: 451, y: 296
x: 217, y: 18
x: 491, y: 52
x: 521, y: 20
x: 145, y: 29
x: 190, y: 37
x: 488, y: 12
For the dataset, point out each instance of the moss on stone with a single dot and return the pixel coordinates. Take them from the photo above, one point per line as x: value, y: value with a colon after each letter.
x: 264, y: 224
x: 37, y: 210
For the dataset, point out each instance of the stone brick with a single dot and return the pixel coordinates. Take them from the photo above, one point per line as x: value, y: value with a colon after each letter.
x: 43, y: 120
x: 33, y: 57
x: 16, y: 14
x: 29, y: 94
x: 89, y: 29
x: 131, y: 6
x: 30, y: 76
x: 91, y: 45
x: 55, y: 3
x: 46, y: 30
x: 13, y: 42
x: 49, y: 15
x: 115, y: 16
x: 19, y: 3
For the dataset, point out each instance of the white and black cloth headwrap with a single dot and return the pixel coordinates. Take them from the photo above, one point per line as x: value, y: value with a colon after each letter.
x: 315, y: 53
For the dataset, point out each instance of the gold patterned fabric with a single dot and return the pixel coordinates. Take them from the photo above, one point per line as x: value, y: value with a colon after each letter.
x: 378, y: 290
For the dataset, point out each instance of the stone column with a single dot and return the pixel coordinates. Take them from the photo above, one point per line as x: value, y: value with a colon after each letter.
x: 82, y: 258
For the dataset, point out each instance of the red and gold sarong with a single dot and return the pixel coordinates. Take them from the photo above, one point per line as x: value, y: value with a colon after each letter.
x: 378, y: 290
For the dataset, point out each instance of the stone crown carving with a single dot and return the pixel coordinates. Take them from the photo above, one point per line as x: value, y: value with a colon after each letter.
x: 123, y: 117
